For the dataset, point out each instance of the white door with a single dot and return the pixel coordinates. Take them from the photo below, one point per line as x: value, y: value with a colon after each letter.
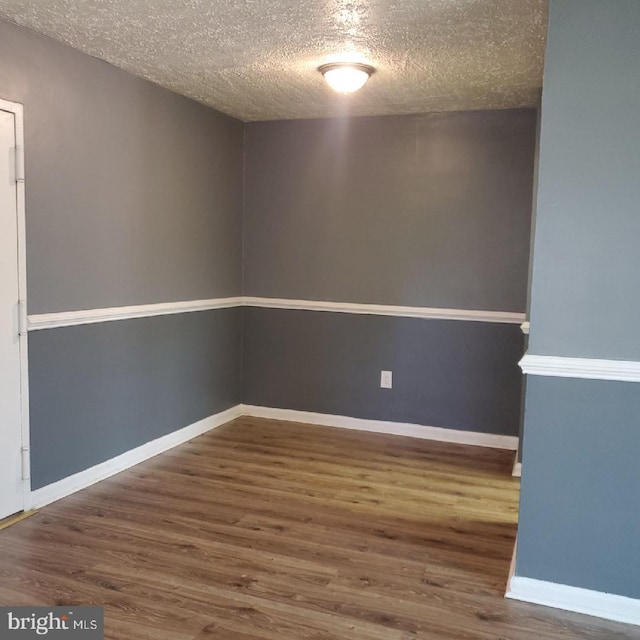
x: 11, y: 488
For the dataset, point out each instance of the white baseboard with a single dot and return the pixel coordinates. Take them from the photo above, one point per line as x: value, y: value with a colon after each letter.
x: 517, y: 469
x: 71, y: 484
x: 382, y: 426
x: 81, y: 480
x: 561, y: 596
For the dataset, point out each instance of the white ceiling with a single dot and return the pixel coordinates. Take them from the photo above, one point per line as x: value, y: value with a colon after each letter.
x: 257, y: 59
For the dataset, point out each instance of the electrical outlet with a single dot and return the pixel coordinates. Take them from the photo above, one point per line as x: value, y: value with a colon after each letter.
x: 386, y: 379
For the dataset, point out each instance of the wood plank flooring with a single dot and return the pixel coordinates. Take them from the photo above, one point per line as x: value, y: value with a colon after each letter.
x: 264, y: 530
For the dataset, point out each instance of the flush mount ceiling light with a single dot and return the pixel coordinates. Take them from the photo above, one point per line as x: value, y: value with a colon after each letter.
x: 346, y: 77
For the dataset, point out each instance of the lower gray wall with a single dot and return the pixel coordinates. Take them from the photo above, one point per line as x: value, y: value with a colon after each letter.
x: 99, y: 390
x: 579, y: 521
x: 453, y: 374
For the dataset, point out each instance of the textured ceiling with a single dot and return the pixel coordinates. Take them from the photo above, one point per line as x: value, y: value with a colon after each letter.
x: 257, y: 59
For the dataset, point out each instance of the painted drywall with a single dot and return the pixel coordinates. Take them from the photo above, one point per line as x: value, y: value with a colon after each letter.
x: 534, y: 207
x: 580, y: 482
x: 106, y: 388
x: 431, y: 210
x: 134, y: 194
x: 578, y: 521
x: 586, y: 269
x: 461, y: 375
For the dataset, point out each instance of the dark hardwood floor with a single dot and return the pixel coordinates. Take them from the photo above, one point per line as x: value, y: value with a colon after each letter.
x: 272, y: 530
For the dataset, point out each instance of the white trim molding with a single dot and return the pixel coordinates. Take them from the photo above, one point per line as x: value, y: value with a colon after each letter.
x: 431, y: 313
x: 516, y: 472
x: 86, y: 478
x: 92, y: 316
x: 18, y: 111
x: 494, y: 441
x: 83, y: 479
x: 562, y: 596
x: 525, y: 326
x: 512, y: 567
x: 588, y: 368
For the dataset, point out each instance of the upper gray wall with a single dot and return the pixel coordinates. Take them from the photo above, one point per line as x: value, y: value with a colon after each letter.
x: 430, y: 210
x: 134, y: 194
x: 586, y: 274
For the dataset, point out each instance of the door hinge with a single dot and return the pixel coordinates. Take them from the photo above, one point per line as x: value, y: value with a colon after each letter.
x: 26, y: 463
x: 19, y: 163
x: 23, y: 320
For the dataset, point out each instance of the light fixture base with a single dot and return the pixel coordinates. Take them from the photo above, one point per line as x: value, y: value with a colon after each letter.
x: 346, y: 77
x: 361, y: 66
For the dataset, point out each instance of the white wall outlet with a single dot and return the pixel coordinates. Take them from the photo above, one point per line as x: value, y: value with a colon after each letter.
x: 386, y: 379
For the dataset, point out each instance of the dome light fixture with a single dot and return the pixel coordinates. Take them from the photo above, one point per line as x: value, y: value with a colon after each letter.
x: 346, y: 77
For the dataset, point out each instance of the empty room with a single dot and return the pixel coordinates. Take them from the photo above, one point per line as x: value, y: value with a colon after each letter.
x: 319, y: 320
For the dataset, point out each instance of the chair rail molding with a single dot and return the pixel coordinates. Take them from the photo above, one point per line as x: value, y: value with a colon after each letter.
x: 37, y: 322
x: 41, y: 321
x: 587, y: 368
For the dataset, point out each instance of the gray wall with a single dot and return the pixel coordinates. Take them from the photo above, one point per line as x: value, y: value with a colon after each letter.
x: 461, y: 375
x: 534, y: 208
x: 431, y: 210
x: 586, y: 273
x: 102, y: 389
x: 579, y: 523
x: 134, y: 194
